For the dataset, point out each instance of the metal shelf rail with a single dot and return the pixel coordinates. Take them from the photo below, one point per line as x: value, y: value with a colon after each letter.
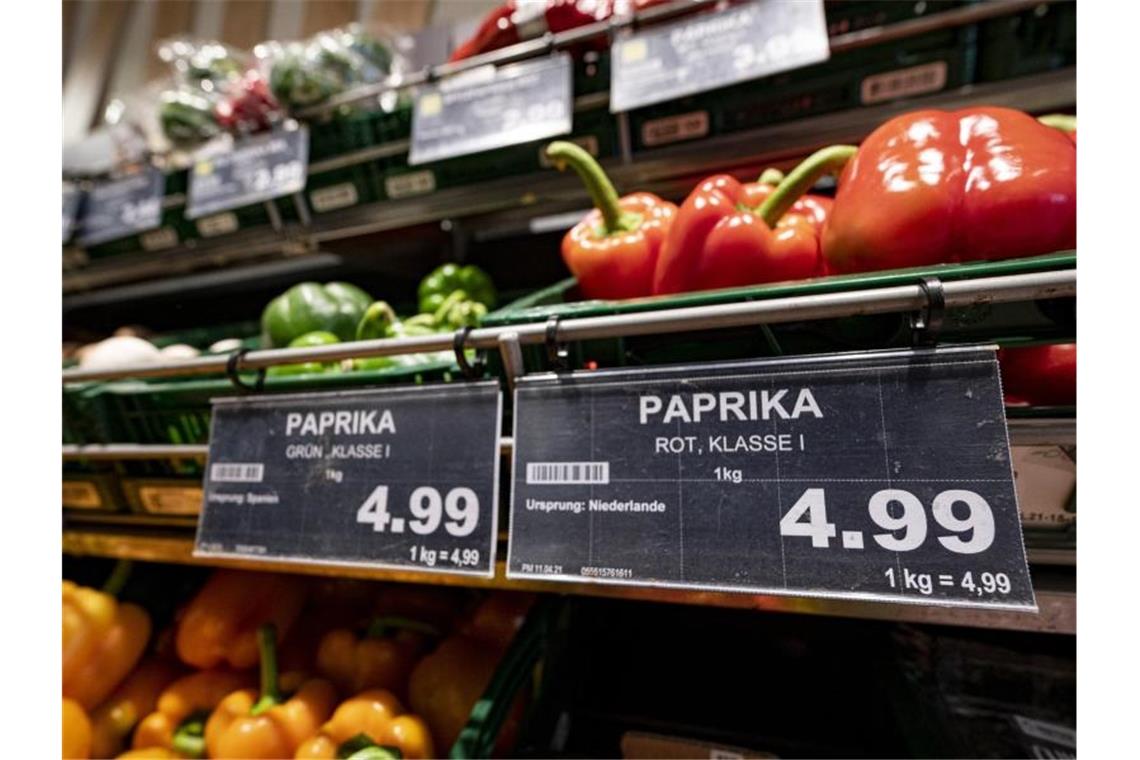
x: 894, y: 299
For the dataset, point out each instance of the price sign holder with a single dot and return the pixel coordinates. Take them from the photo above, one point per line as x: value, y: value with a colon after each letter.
x: 258, y: 169
x: 402, y: 478
x: 72, y: 200
x: 881, y: 476
x: 122, y: 207
x: 710, y: 50
x: 489, y: 108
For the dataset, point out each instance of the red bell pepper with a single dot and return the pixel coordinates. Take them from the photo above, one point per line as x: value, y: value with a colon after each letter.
x: 934, y: 187
x: 726, y: 236
x: 518, y: 20
x: 614, y: 249
x: 1040, y: 375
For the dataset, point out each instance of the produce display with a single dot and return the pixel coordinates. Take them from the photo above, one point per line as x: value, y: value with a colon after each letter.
x: 261, y: 665
x: 926, y: 187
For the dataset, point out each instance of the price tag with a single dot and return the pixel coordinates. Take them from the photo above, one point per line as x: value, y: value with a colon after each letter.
x: 256, y: 170
x: 121, y: 208
x: 404, y: 478
x: 72, y: 196
x: 490, y: 108
x: 881, y: 476
x: 711, y: 50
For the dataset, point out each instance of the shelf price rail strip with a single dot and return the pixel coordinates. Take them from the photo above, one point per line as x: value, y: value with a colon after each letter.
x: 894, y: 299
x: 551, y: 42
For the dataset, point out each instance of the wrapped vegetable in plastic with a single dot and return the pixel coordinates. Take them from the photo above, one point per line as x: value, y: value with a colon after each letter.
x: 305, y: 74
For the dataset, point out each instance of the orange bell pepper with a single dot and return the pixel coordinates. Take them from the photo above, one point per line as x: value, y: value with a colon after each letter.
x: 249, y: 724
x: 373, y: 718
x: 135, y: 698
x: 178, y: 723
x: 76, y: 731
x: 446, y: 684
x: 382, y: 659
x: 220, y: 624
x: 102, y: 639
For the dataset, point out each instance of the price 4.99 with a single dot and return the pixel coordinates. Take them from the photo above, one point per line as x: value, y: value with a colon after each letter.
x: 428, y: 509
x: 902, y: 517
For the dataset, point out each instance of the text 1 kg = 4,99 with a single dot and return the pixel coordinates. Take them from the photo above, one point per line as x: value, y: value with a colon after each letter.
x: 883, y: 475
x: 402, y: 477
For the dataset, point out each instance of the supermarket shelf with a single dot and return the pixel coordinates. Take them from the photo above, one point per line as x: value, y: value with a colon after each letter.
x: 1056, y: 594
x: 669, y: 172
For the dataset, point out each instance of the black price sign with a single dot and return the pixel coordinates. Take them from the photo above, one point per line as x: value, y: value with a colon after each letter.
x: 403, y: 478
x: 121, y: 208
x: 880, y: 476
x: 259, y: 169
x: 490, y: 108
x: 711, y: 50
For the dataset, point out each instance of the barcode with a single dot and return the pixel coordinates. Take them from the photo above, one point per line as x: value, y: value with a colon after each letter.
x: 237, y: 472
x: 568, y: 472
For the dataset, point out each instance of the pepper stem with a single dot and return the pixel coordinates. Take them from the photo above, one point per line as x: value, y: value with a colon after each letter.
x: 189, y: 738
x: 118, y: 578
x: 771, y: 176
x: 800, y: 180
x: 270, y: 688
x: 1061, y: 121
x: 598, y: 185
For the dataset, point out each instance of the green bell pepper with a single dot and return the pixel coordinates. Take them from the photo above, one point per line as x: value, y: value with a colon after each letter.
x: 308, y: 340
x: 448, y: 278
x: 336, y: 308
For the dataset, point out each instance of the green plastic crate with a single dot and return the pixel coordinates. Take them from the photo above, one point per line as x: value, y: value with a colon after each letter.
x: 916, y: 66
x: 1012, y: 322
x: 1038, y: 40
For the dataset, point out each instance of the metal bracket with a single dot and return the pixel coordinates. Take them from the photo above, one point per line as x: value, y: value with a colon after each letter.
x: 470, y: 371
x: 556, y: 353
x: 511, y: 352
x: 927, y: 324
x: 233, y: 367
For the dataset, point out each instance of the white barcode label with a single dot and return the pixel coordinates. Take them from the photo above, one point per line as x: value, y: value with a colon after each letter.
x: 929, y: 77
x: 237, y: 472
x: 568, y: 472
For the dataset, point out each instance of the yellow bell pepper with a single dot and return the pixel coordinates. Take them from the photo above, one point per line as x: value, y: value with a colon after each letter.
x: 382, y: 659
x: 135, y: 698
x: 220, y: 624
x: 178, y: 722
x: 102, y: 640
x: 371, y: 719
x: 76, y: 731
x: 247, y: 724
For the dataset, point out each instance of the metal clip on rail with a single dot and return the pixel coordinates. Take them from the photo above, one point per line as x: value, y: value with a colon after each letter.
x: 233, y: 367
x: 927, y: 324
x: 471, y: 371
x: 556, y: 353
